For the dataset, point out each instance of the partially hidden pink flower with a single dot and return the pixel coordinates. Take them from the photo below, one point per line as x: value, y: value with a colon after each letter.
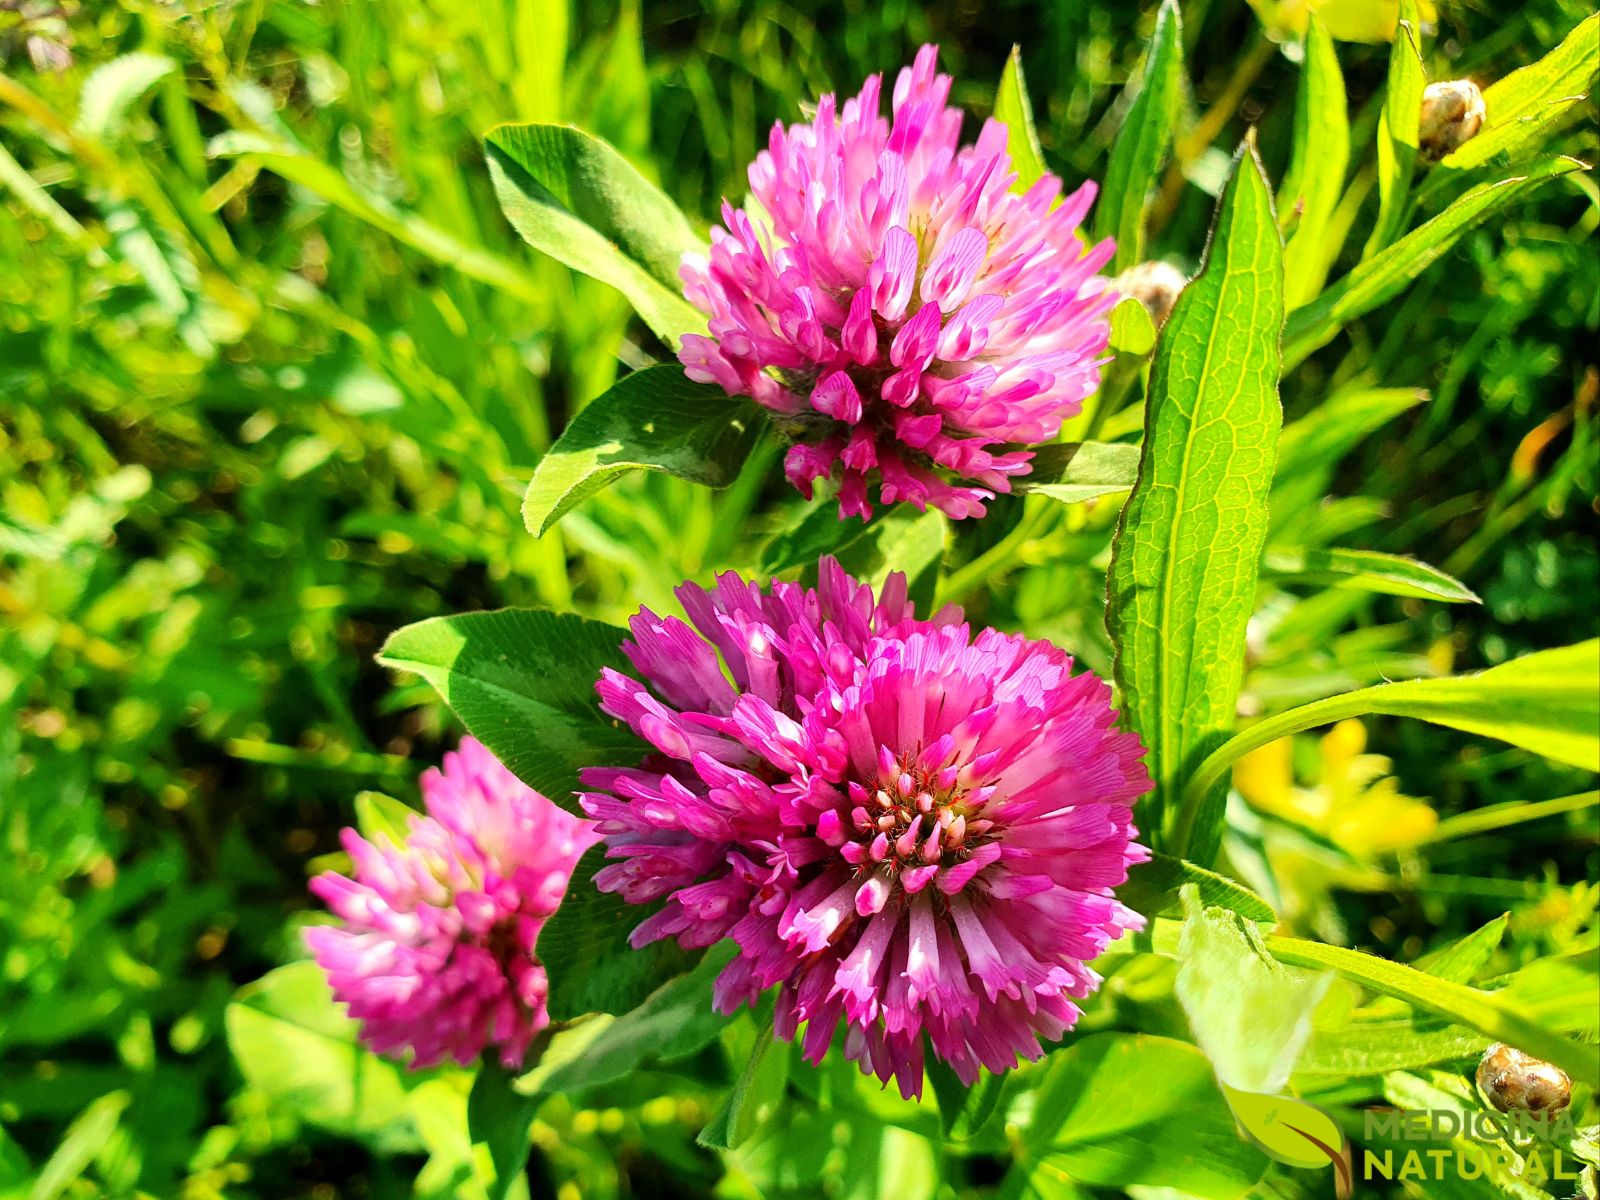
x: 914, y: 321
x: 911, y: 830
x: 435, y: 953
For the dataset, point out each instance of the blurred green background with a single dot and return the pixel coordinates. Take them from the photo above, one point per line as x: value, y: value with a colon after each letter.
x: 274, y: 372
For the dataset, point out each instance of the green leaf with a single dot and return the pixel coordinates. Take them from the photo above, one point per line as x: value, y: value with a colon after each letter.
x: 573, y: 197
x: 1366, y: 571
x: 1316, y: 167
x: 754, y: 1098
x: 1526, y: 107
x: 1099, y: 1120
x: 1133, y: 332
x: 522, y: 682
x: 293, y: 1045
x: 1316, y: 442
x: 1547, y: 702
x: 1188, y: 543
x: 113, y: 88
x: 1012, y: 108
x: 1249, y: 1014
x: 1076, y: 471
x: 1382, y: 276
x: 294, y: 164
x: 83, y: 1141
x: 1494, y: 817
x: 1493, y: 1014
x: 585, y: 950
x: 1376, y: 1047
x: 1142, y: 143
x: 379, y: 816
x: 1463, y: 959
x: 657, y: 419
x: 500, y: 1119
x: 1397, y: 129
x: 1155, y: 889
x: 674, y: 1020
x: 963, y: 1110
x: 905, y: 541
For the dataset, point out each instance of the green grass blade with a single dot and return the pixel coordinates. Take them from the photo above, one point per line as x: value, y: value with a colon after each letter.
x: 1012, y: 107
x: 1382, y: 277
x: 1367, y: 571
x: 1547, y: 702
x: 1397, y: 129
x: 1316, y: 168
x: 1188, y: 544
x: 1142, y: 144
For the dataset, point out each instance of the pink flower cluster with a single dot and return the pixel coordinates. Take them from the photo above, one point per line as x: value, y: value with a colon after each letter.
x: 435, y: 955
x: 910, y: 830
x: 911, y: 318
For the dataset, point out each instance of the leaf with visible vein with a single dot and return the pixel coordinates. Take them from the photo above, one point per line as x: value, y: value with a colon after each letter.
x: 1075, y: 471
x: 1013, y: 109
x: 657, y: 419
x: 522, y: 682
x: 1366, y: 571
x: 1141, y: 145
x: 576, y: 199
x: 1188, y: 545
x: 1382, y: 277
x: 1529, y: 105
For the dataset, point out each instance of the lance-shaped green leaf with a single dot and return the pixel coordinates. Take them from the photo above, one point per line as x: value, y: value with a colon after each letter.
x: 1397, y: 128
x: 576, y: 199
x: 1188, y: 544
x: 1142, y: 144
x: 754, y: 1097
x: 500, y: 1118
x: 963, y: 1110
x: 1499, y: 1015
x: 1316, y: 167
x: 657, y: 419
x: 1381, y: 277
x: 1015, y: 111
x: 1525, y: 108
x: 1547, y: 702
x: 585, y: 950
x: 522, y: 682
x: 1366, y: 571
x: 1076, y: 471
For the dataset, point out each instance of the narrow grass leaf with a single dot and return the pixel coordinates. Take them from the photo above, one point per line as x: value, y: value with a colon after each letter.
x: 1188, y: 545
x: 1155, y: 889
x: 522, y: 682
x: 1495, y: 1015
x: 1548, y: 702
x: 1316, y: 167
x: 1013, y: 109
x: 1142, y: 144
x: 575, y: 198
x: 1397, y: 129
x: 1525, y: 108
x: 1381, y: 277
x: 1365, y: 571
x: 657, y: 419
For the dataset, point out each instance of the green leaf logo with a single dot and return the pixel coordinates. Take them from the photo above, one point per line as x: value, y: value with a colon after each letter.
x: 1292, y: 1131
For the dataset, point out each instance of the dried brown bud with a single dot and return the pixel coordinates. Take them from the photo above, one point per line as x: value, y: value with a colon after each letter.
x: 1155, y: 285
x: 1513, y: 1081
x: 1452, y: 114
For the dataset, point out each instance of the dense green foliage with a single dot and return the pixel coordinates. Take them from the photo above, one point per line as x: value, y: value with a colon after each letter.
x: 276, y: 372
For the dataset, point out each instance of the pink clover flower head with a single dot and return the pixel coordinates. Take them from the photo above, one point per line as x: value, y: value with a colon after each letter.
x: 913, y: 320
x: 909, y: 829
x: 435, y: 952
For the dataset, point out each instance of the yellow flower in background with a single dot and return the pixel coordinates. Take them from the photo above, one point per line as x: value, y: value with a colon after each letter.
x: 1347, y: 20
x: 1356, y: 803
